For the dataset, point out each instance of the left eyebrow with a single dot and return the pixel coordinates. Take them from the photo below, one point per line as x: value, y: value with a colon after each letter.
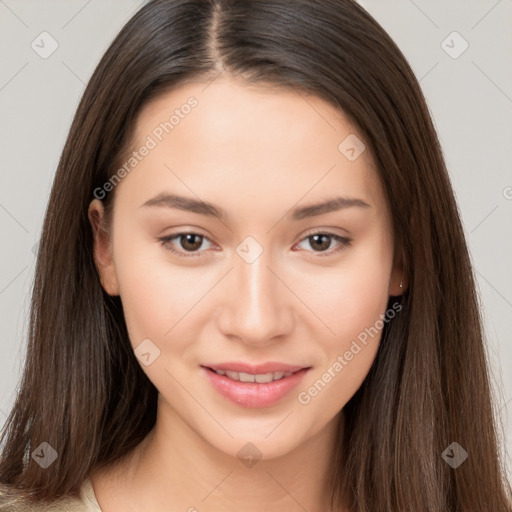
x: 204, y: 208
x: 331, y: 205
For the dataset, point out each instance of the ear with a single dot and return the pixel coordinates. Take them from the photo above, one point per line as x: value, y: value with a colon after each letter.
x: 397, y: 277
x: 102, y: 248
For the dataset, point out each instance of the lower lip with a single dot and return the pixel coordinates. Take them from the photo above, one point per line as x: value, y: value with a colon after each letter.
x: 252, y: 394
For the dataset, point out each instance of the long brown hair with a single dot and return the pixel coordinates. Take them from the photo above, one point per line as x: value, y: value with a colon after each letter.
x: 83, y: 391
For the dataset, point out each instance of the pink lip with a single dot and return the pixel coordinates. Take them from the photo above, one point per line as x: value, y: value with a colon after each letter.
x: 253, y: 394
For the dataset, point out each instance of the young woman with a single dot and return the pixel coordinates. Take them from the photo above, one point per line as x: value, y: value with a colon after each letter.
x: 253, y: 290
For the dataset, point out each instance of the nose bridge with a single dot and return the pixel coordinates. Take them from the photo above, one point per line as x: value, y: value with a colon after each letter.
x: 257, y: 306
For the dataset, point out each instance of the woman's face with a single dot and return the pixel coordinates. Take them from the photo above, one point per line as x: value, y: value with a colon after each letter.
x: 268, y: 281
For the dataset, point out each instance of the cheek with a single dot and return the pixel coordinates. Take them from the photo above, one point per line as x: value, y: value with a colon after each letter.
x: 160, y: 298
x: 350, y: 296
x: 349, y: 353
x: 350, y: 300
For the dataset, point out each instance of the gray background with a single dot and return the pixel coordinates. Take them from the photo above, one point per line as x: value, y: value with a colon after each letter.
x: 470, y: 98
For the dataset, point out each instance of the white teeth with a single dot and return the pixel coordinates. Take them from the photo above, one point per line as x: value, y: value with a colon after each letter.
x: 261, y: 378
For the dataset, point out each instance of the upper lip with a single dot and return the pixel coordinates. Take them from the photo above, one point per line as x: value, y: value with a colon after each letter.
x: 255, y: 369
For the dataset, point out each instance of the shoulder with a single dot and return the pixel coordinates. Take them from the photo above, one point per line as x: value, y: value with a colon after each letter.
x: 68, y: 505
x: 11, y: 502
x: 61, y: 506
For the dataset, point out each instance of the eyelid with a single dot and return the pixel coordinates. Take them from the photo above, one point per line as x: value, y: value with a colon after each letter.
x: 166, y: 239
x: 324, y: 231
x: 345, y: 241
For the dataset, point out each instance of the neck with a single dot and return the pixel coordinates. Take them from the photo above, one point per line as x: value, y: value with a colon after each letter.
x: 175, y: 469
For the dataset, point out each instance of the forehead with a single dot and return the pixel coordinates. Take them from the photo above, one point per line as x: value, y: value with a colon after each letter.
x: 227, y: 138
x: 229, y: 110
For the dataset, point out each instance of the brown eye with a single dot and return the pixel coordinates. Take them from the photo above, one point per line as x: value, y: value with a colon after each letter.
x: 188, y: 243
x: 320, y: 242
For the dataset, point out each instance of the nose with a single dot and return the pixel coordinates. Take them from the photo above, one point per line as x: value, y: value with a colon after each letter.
x: 257, y: 308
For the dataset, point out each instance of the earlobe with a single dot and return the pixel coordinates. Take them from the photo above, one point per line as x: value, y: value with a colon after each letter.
x: 102, y: 248
x: 397, y: 285
x: 397, y: 282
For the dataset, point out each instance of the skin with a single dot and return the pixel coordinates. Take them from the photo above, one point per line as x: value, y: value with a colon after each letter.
x: 257, y: 154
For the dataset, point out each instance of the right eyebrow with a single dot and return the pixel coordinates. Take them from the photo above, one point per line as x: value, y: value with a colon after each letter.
x: 187, y: 204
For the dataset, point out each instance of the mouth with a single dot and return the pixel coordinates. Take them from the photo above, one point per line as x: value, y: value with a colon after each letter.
x: 260, y: 378
x: 254, y: 386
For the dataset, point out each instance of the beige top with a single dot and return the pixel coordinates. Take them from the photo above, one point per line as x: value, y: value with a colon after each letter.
x: 89, y: 498
x: 87, y: 503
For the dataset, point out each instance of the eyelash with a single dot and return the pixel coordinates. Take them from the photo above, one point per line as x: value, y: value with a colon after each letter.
x: 344, y: 242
